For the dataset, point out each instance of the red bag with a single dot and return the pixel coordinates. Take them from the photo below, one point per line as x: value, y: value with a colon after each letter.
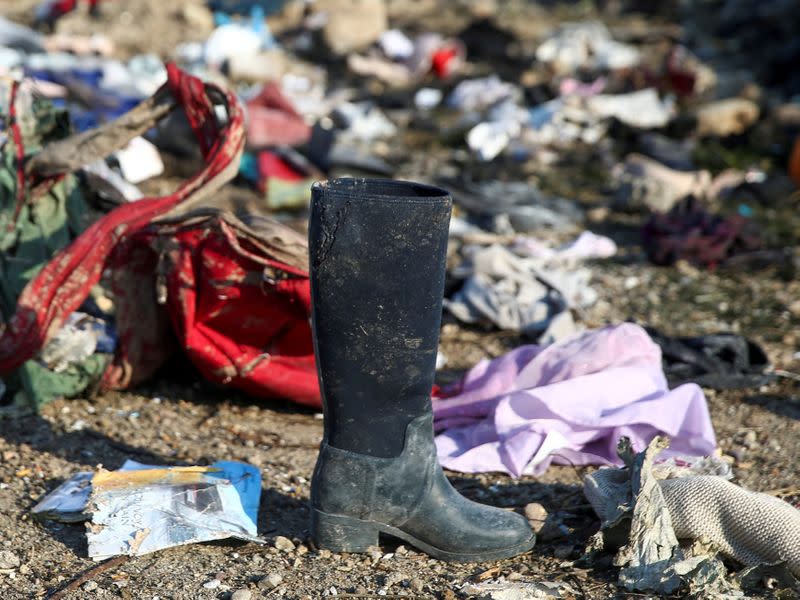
x: 236, y: 293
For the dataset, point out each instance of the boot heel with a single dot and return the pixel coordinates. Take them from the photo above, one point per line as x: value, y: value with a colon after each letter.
x: 342, y: 534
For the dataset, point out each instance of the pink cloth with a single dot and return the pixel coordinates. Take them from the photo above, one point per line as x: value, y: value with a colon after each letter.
x: 568, y: 403
x: 273, y: 121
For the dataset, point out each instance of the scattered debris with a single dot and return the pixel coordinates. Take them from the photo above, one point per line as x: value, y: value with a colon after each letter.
x: 517, y: 590
x: 141, y: 508
x: 649, y: 516
x: 538, y: 405
x: 726, y: 117
x: 8, y: 561
x: 68, y: 502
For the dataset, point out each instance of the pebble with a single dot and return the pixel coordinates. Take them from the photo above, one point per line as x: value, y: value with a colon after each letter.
x: 284, y: 543
x: 274, y: 580
x: 89, y: 586
x: 738, y: 454
x: 8, y: 560
x: 212, y: 585
x: 242, y: 594
x: 536, y: 515
x: 416, y: 585
x: 750, y: 439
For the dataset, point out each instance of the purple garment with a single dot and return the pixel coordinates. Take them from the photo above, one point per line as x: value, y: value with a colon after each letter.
x: 568, y: 403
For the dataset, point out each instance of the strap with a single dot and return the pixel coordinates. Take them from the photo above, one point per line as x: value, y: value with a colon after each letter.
x: 64, y: 283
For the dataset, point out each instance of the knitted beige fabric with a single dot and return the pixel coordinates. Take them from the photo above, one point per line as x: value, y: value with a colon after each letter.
x: 751, y: 527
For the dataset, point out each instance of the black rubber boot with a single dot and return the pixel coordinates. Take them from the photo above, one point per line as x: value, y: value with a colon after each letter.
x: 377, y: 252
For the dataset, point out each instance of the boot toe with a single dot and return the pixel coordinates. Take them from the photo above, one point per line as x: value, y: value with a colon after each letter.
x: 502, y: 529
x: 463, y: 530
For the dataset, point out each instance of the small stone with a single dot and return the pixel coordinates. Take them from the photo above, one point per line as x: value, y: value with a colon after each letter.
x: 448, y: 595
x: 738, y: 454
x: 794, y: 308
x: 631, y: 282
x: 242, y: 594
x: 514, y: 576
x: 686, y: 268
x: 416, y: 585
x: 536, y: 515
x: 212, y: 585
x: 274, y: 580
x: 302, y: 549
x: 750, y: 439
x: 598, y: 214
x: 284, y: 544
x: 89, y: 586
x: 8, y: 560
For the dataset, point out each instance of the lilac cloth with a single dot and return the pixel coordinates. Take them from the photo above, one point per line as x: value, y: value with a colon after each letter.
x: 568, y: 403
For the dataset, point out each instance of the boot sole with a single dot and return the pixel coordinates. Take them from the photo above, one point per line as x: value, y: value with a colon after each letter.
x: 339, y: 533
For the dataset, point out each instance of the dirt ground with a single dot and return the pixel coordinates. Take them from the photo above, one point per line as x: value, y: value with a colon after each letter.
x: 180, y: 419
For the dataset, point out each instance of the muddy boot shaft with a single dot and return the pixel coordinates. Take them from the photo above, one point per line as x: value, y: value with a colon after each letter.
x: 377, y: 251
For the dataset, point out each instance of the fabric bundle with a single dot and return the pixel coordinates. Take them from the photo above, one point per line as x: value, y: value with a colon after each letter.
x: 568, y: 403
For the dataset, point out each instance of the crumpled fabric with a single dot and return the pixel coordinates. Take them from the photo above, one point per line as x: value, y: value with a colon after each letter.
x: 273, y: 121
x: 642, y: 109
x: 586, y: 45
x: 427, y: 52
x: 688, y: 232
x: 568, y: 403
x: 721, y: 361
x: 693, y: 503
x: 33, y: 227
x: 525, y: 206
x: 66, y: 276
x: 479, y: 94
x: 586, y: 246
x: 519, y: 294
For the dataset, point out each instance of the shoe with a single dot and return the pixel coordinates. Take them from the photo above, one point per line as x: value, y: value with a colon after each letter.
x: 377, y: 252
